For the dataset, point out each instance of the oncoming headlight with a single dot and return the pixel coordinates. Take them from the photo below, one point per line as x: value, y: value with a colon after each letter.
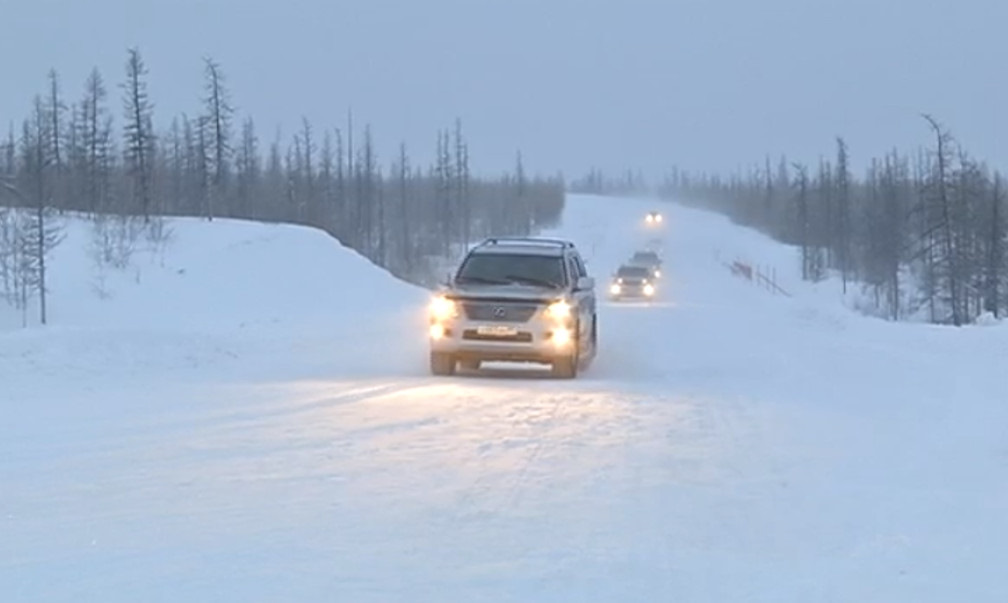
x: 649, y: 289
x: 615, y: 288
x: 559, y: 310
x: 442, y: 308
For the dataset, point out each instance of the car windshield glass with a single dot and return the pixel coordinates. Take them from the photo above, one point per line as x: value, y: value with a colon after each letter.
x: 500, y: 268
x: 644, y: 256
x: 632, y: 272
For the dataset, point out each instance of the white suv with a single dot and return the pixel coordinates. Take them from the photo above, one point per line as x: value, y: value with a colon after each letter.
x: 516, y: 299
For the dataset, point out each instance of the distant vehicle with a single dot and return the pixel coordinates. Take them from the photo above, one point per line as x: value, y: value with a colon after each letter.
x: 516, y: 299
x: 631, y: 281
x: 648, y: 259
x: 654, y: 217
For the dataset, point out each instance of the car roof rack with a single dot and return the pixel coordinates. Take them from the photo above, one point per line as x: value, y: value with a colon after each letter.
x: 527, y: 241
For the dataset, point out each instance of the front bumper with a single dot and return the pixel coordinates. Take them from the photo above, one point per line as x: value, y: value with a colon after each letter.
x: 532, y: 341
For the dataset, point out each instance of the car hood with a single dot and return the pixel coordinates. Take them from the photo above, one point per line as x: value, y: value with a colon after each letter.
x: 512, y: 292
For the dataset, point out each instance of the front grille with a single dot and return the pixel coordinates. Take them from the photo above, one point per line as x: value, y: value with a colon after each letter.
x: 473, y: 335
x: 498, y: 312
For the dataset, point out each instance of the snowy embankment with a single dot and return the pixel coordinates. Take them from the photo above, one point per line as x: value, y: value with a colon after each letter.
x: 253, y: 421
x: 220, y: 294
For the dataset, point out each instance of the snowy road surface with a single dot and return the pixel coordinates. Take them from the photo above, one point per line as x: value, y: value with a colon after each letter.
x: 275, y: 437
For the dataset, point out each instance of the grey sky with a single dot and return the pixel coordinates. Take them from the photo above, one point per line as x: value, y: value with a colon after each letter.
x: 707, y: 84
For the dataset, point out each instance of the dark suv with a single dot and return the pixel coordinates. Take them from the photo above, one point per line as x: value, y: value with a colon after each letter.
x: 518, y: 299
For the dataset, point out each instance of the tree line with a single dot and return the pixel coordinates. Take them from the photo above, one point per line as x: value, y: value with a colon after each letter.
x: 597, y: 182
x: 924, y: 234
x: 118, y: 169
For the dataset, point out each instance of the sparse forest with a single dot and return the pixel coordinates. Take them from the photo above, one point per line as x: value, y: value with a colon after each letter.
x: 597, y: 182
x: 921, y: 235
x: 98, y: 153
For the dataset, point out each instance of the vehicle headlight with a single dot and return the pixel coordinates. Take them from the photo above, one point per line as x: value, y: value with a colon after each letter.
x: 615, y: 288
x: 648, y: 289
x: 442, y: 308
x: 559, y: 310
x: 657, y: 273
x: 650, y: 218
x: 562, y: 337
x: 658, y: 218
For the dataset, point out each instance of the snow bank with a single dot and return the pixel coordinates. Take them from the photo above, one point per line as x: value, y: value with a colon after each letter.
x: 220, y: 274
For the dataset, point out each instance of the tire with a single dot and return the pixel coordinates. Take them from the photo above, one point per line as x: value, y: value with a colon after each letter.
x: 566, y: 367
x: 470, y: 364
x: 589, y: 357
x: 442, y: 363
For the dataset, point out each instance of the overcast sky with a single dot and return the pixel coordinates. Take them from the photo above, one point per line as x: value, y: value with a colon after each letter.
x: 706, y: 84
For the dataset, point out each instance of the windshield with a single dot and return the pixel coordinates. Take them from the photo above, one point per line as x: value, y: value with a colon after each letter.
x: 645, y: 256
x: 505, y: 269
x: 632, y: 272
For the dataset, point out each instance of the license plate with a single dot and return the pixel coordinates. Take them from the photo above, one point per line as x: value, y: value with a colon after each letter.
x: 496, y: 330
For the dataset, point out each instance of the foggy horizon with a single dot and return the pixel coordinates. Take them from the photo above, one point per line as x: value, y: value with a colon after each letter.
x: 712, y: 86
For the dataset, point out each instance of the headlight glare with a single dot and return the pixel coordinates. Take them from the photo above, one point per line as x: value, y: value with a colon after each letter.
x: 442, y: 308
x: 561, y: 337
x: 559, y: 310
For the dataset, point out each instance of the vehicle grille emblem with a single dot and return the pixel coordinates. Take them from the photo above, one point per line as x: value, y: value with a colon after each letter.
x: 498, y: 312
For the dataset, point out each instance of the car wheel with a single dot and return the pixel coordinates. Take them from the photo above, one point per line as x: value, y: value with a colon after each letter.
x: 470, y: 364
x: 442, y: 363
x: 589, y: 356
x: 566, y: 367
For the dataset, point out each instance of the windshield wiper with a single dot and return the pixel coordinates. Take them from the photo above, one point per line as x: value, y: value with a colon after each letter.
x: 528, y: 280
x: 480, y: 279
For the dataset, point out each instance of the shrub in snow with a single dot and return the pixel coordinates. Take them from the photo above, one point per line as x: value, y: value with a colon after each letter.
x: 987, y: 319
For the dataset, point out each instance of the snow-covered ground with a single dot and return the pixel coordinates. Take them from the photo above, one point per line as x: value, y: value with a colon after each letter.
x: 253, y: 421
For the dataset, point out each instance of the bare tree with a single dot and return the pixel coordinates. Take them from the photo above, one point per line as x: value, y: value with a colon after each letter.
x: 37, y: 232
x: 997, y: 262
x: 219, y: 112
x: 940, y: 223
x: 249, y: 168
x: 96, y: 141
x: 138, y: 137
x: 55, y: 110
x: 843, y: 235
x: 802, y: 184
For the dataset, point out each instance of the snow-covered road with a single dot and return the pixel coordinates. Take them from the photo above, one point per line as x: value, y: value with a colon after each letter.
x: 727, y: 445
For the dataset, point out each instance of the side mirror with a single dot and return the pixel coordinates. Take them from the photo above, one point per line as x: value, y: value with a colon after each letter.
x: 585, y: 283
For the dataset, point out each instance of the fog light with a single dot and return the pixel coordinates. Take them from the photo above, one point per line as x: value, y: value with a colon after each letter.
x: 648, y: 289
x: 437, y: 331
x: 561, y: 337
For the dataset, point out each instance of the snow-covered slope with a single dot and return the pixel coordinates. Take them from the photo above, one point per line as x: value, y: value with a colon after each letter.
x: 260, y: 427
x: 217, y: 274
